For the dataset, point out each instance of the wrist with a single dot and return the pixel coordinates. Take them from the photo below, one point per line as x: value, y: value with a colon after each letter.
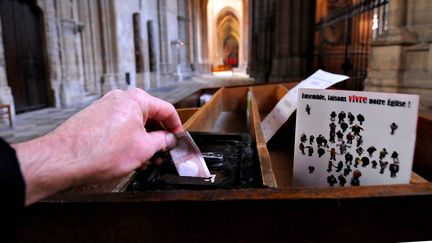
x: 43, y: 163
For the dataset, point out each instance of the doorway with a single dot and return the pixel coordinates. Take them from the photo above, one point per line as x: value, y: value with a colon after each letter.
x: 22, y: 26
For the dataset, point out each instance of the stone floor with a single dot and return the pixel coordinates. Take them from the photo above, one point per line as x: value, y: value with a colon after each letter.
x: 36, y: 123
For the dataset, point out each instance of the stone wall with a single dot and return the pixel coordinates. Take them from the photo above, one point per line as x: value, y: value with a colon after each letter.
x: 94, y: 46
x: 401, y: 58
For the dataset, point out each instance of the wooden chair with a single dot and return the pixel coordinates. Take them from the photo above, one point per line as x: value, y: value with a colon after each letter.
x: 6, y: 112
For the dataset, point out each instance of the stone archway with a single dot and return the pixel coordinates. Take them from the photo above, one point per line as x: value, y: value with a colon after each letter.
x: 227, y: 23
x: 228, y: 37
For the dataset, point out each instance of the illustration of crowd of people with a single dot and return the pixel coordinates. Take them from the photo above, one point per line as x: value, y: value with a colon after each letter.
x: 343, y: 150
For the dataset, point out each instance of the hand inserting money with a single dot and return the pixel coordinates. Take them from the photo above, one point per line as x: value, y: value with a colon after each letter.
x: 188, y: 159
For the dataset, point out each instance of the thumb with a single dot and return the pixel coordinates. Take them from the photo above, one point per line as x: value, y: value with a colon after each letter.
x: 161, y: 141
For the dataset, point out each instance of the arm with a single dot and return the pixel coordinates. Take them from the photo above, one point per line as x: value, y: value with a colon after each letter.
x: 107, y: 140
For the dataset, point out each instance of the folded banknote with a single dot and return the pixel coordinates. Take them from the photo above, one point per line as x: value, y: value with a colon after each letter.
x: 188, y: 159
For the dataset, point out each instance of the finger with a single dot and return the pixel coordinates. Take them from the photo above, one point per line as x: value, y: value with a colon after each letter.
x: 157, y: 109
x: 164, y: 112
x: 158, y: 141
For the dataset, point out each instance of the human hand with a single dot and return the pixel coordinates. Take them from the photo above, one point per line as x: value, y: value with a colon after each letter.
x: 107, y: 140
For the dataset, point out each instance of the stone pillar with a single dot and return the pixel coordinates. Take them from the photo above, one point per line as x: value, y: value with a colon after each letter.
x: 202, y: 39
x: 264, y: 35
x: 71, y: 86
x: 260, y: 61
x: 386, y: 62
x: 6, y: 96
x: 280, y: 40
x: 151, y: 55
x: 397, y: 32
x: 52, y: 44
x: 194, y: 13
x: 243, y: 60
x: 183, y: 50
x: 87, y: 47
x: 291, y: 43
x: 164, y: 44
x: 397, y: 16
x: 282, y: 26
x: 94, y: 27
x: 140, y: 61
x: 72, y: 89
x: 111, y: 78
x: 203, y: 43
x: 251, y: 67
x: 296, y: 38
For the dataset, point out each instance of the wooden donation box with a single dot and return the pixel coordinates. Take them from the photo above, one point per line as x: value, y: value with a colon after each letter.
x: 260, y: 208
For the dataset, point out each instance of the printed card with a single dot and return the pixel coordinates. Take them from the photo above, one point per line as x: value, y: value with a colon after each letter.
x: 354, y: 138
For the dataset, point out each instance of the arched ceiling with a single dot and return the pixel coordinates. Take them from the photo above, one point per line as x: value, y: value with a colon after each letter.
x: 227, y: 28
x: 227, y: 25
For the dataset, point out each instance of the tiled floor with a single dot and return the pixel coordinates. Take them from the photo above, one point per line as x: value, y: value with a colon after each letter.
x: 36, y: 123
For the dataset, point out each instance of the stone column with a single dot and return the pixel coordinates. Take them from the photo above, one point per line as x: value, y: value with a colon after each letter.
x: 251, y: 67
x: 94, y: 27
x: 397, y: 32
x: 282, y: 27
x: 194, y: 14
x: 72, y: 89
x: 86, y: 47
x: 6, y: 96
x: 183, y: 20
x: 52, y: 44
x: 397, y: 16
x: 296, y: 37
x: 164, y: 45
x: 265, y: 39
x: 262, y: 40
x: 243, y: 60
x: 280, y: 42
x: 138, y: 45
x: 205, y: 59
x: 72, y: 85
x: 386, y: 62
x: 111, y: 78
x: 291, y: 41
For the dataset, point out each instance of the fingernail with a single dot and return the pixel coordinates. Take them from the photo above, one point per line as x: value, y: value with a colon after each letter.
x: 171, y: 140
